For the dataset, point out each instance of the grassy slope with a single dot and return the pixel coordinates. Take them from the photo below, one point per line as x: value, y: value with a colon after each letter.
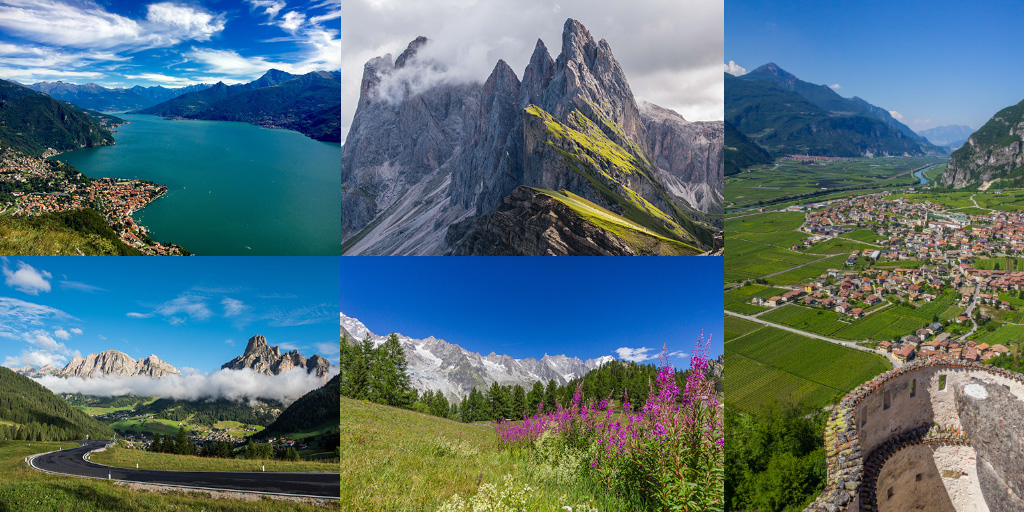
x: 606, y: 166
x: 646, y: 242
x: 126, y: 458
x: 62, y: 234
x: 396, y: 459
x: 28, y: 490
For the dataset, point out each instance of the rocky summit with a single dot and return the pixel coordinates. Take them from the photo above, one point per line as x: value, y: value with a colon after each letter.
x: 262, y: 358
x: 436, y: 365
x: 113, y: 362
x: 427, y: 156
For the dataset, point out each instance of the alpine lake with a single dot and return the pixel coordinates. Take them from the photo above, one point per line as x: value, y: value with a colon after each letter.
x: 233, y: 188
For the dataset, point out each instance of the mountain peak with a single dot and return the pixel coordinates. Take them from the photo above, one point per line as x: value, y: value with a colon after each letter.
x: 410, y: 51
x: 773, y: 69
x: 255, y: 343
x: 576, y: 40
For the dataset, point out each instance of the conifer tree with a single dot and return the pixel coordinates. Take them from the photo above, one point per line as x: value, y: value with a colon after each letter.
x: 518, y: 402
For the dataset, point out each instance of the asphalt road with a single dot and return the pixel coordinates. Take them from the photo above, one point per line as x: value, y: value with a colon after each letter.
x: 72, y: 462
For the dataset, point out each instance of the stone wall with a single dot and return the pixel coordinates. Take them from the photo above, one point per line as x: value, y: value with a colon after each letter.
x: 916, y: 396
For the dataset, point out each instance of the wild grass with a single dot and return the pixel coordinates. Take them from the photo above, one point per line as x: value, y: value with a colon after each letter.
x: 24, y: 489
x: 400, y: 460
x: 127, y: 458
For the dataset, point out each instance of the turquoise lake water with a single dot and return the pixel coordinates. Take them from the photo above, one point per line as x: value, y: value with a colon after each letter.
x: 233, y: 188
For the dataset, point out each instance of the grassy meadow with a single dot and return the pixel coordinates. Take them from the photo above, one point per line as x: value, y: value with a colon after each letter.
x: 401, y: 460
x: 24, y: 489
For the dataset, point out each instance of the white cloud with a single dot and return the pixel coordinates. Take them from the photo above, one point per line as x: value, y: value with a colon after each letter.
x: 330, y: 351
x: 164, y: 80
x: 27, y: 279
x: 288, y: 346
x: 62, y: 334
x: 133, y: 314
x: 229, y: 384
x: 184, y: 22
x: 191, y: 304
x: 270, y: 7
x: 637, y: 355
x: 35, y: 358
x: 233, y: 307
x: 43, y: 340
x: 230, y: 342
x: 82, y: 287
x: 652, y: 41
x: 896, y: 115
x: 75, y: 330
x: 735, y: 69
x: 292, y: 20
x: 836, y: 86
x: 302, y: 316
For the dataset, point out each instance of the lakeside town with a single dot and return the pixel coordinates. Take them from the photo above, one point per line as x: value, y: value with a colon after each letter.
x: 37, y: 186
x: 923, y: 253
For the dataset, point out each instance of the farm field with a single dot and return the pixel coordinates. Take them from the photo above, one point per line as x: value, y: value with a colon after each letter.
x: 26, y: 489
x: 736, y: 327
x: 817, y: 320
x: 153, y: 426
x: 809, y: 272
x: 127, y: 458
x: 1008, y: 335
x: 738, y: 300
x: 776, y: 365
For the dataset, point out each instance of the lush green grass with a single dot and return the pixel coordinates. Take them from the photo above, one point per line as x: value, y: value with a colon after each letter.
x: 97, y: 411
x: 775, y: 365
x: 75, y: 233
x: 396, y: 459
x: 127, y: 458
x: 236, y: 428
x: 879, y: 326
x: 153, y: 426
x: 1011, y: 264
x: 644, y: 240
x: 29, y: 490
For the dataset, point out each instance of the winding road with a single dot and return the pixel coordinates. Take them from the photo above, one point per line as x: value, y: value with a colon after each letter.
x: 72, y: 462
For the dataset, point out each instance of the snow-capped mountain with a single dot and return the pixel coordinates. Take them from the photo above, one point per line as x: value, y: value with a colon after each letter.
x: 437, y: 365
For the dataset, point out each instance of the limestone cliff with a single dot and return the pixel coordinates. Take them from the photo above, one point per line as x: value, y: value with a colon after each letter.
x: 113, y: 362
x: 262, y: 358
x: 993, y: 152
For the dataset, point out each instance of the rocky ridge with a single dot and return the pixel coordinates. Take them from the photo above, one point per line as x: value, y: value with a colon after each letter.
x: 994, y: 152
x: 418, y: 161
x: 263, y: 358
x: 113, y: 362
x: 435, y: 364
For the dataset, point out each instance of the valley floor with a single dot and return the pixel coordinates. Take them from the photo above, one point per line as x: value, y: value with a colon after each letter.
x: 28, y: 490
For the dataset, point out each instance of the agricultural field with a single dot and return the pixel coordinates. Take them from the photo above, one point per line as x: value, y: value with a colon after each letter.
x: 237, y: 428
x: 880, y: 326
x: 768, y: 183
x: 1011, y: 264
x: 397, y: 460
x: 28, y: 490
x: 122, y: 457
x: 1008, y: 335
x: 808, y: 272
x: 98, y: 411
x: 736, y: 327
x: 777, y: 365
x: 757, y: 245
x: 738, y: 300
x: 817, y: 320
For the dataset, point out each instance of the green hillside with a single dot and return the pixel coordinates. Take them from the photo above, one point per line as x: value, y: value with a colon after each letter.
x: 784, y: 122
x: 997, y: 143
x: 305, y: 103
x: 316, y: 410
x: 32, y: 412
x: 71, y: 233
x: 616, y: 169
x: 31, y: 122
x: 741, y: 152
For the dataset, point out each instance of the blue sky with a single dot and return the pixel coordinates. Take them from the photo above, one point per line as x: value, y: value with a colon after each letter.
x: 526, y: 307
x: 119, y: 43
x: 935, y: 63
x: 191, y: 312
